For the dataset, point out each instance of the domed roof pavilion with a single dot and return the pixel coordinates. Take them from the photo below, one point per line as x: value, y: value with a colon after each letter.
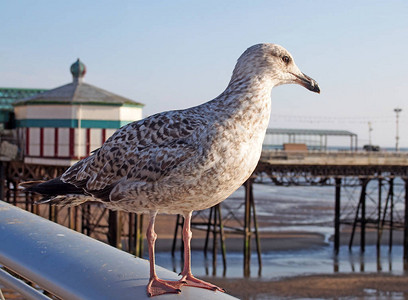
x: 63, y: 125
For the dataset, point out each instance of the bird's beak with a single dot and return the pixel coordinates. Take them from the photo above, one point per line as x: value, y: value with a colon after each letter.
x: 307, y: 82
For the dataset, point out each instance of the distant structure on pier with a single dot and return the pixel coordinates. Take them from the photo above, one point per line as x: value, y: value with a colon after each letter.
x: 8, y: 96
x: 312, y: 139
x: 63, y: 125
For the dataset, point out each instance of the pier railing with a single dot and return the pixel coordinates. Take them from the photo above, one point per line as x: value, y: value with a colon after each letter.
x: 70, y: 265
x: 335, y: 157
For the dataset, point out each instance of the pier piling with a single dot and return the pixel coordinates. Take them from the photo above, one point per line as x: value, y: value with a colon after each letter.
x: 337, y: 216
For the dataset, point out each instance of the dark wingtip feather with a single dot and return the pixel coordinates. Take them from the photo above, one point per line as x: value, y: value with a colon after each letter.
x: 29, y: 184
x: 53, y: 187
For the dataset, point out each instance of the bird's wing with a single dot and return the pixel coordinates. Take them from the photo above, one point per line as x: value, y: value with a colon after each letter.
x: 142, y: 151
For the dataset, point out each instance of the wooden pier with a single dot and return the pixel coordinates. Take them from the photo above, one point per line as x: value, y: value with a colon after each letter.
x: 281, y: 167
x: 313, y: 168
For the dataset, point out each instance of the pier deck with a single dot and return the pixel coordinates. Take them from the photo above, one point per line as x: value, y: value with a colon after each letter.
x: 334, y: 163
x: 339, y: 158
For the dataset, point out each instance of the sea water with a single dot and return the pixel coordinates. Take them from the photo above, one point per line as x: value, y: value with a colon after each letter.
x: 308, y: 209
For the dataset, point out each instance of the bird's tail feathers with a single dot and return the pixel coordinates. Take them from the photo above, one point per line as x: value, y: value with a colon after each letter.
x: 57, y: 192
x: 51, y: 187
x: 66, y: 200
x: 29, y: 184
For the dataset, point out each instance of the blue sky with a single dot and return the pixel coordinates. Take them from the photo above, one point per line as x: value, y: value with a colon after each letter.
x: 176, y: 54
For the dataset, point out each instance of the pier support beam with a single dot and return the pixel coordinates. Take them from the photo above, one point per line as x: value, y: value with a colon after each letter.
x: 115, y: 229
x: 337, y: 216
x: 247, y: 226
x: 363, y: 214
x: 250, y: 214
x: 218, y: 227
x: 135, y: 237
x: 391, y: 214
x: 379, y: 227
x: 406, y: 227
x: 362, y: 220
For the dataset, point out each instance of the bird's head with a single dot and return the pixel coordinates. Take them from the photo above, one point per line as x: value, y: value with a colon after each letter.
x: 272, y: 62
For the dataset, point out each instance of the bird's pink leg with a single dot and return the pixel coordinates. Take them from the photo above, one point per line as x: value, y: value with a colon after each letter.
x: 157, y: 286
x: 187, y: 277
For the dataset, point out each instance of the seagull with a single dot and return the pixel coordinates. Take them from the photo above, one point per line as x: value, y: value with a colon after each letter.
x: 180, y: 161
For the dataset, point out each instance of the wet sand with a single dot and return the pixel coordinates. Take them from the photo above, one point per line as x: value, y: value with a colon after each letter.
x: 324, y: 286
x: 280, y: 240
x: 359, y: 284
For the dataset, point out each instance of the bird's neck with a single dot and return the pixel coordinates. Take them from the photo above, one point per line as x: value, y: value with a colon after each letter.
x: 245, y: 103
x: 249, y: 84
x: 248, y: 95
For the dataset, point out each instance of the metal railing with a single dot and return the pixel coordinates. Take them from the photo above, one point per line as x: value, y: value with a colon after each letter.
x: 71, y: 265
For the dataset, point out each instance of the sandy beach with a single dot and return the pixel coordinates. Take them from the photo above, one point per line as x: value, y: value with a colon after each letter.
x: 374, y: 280
x: 324, y: 286
x: 361, y: 283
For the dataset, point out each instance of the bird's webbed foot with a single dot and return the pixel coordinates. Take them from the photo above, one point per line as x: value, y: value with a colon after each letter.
x: 158, y: 286
x: 190, y: 280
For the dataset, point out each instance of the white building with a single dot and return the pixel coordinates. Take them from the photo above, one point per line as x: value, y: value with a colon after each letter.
x: 63, y: 125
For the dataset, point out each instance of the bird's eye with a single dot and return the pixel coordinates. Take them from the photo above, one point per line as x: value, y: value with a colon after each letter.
x: 285, y: 59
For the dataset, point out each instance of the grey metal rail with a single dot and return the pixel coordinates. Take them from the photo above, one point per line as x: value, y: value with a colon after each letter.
x: 17, y: 285
x: 73, y: 266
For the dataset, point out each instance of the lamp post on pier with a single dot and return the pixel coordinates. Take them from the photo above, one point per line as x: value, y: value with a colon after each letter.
x: 370, y: 128
x: 397, y: 112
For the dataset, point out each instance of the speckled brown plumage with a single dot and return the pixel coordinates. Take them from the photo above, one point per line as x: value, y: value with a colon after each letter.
x: 179, y: 161
x: 194, y: 158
